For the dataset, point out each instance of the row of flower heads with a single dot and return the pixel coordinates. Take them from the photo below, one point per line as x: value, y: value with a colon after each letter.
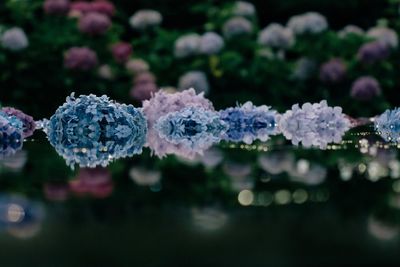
x: 91, y: 131
x: 94, y: 19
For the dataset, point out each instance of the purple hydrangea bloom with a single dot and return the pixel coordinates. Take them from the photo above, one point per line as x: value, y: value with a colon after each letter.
x: 145, y: 19
x: 314, y: 124
x: 333, y: 71
x: 276, y: 36
x: 194, y: 79
x: 80, y: 58
x: 143, y: 91
x: 28, y: 122
x: 187, y: 45
x: 94, y: 23
x: 192, y: 130
x: 236, y: 26
x: 247, y: 123
x: 211, y: 43
x: 163, y: 103
x: 14, y: 39
x: 308, y: 23
x: 372, y: 52
x: 11, y: 134
x: 365, y: 88
x: 121, y: 51
x: 56, y: 7
x: 388, y: 125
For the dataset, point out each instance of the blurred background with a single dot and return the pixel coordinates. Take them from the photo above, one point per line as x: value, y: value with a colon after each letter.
x: 265, y: 204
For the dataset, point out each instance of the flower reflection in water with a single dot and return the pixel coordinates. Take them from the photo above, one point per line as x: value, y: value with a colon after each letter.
x: 15, y: 162
x: 19, y: 216
x: 144, y: 177
x: 96, y: 182
x: 209, y: 218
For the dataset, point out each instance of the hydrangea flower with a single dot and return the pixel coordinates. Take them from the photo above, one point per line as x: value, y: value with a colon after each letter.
x: 388, y: 125
x: 350, y: 29
x: 94, y: 23
x: 211, y: 43
x: 144, y: 177
x: 304, y: 68
x: 236, y: 26
x: 308, y: 23
x: 194, y: 129
x: 103, y: 7
x: 95, y: 182
x: 372, y: 52
x: 333, y: 71
x: 247, y: 123
x: 314, y: 124
x: 91, y: 131
x: 194, y: 79
x: 145, y: 19
x: 121, y: 51
x: 244, y: 9
x: 137, y: 65
x: 28, y: 123
x: 276, y: 36
x: 187, y: 45
x: 365, y: 88
x: 384, y: 35
x: 143, y: 91
x: 162, y: 103
x: 11, y: 134
x: 105, y: 72
x: 56, y: 7
x: 14, y: 39
x: 80, y: 58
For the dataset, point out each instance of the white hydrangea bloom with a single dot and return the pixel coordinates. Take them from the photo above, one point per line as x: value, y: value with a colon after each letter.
x: 310, y: 22
x: 187, y: 45
x: 276, y: 36
x: 385, y: 35
x: 14, y: 39
x: 145, y: 18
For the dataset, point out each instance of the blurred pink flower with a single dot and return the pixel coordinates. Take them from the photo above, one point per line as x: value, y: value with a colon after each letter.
x: 80, y: 58
x: 94, y: 23
x: 96, y: 182
x: 79, y: 8
x: 144, y: 77
x: 121, y: 51
x: 103, y: 7
x: 56, y: 7
x: 143, y: 91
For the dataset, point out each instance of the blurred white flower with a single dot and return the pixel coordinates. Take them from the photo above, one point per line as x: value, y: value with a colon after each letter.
x: 14, y: 39
x: 187, y: 45
x: 105, y: 72
x: 144, y: 19
x: 211, y: 43
x: 145, y: 177
x: 194, y: 79
x: 137, y: 65
x: 350, y: 29
x: 384, y: 35
x: 245, y: 9
x: 276, y: 36
x: 276, y: 162
x: 236, y: 26
x: 310, y: 22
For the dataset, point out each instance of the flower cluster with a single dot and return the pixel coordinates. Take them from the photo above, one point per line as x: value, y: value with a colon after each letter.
x: 211, y: 43
x: 91, y: 131
x: 80, y: 58
x: 28, y: 123
x: 95, y: 182
x: 56, y: 7
x: 365, y: 88
x: 94, y: 23
x: 192, y: 129
x: 244, y: 9
x: 388, y: 125
x: 121, y: 51
x: 11, y: 134
x: 144, y: 86
x: 333, y: 71
x: 145, y: 19
x: 247, y: 123
x: 237, y: 26
x: 14, y: 39
x: 276, y: 36
x: 384, y: 35
x: 162, y: 103
x: 79, y: 8
x: 308, y: 23
x: 194, y: 79
x: 314, y: 124
x: 193, y: 44
x: 372, y: 52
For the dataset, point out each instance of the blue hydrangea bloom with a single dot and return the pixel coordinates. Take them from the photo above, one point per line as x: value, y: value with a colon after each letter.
x: 11, y: 134
x: 193, y: 128
x: 388, y: 125
x: 247, y: 123
x: 314, y: 124
x: 91, y: 131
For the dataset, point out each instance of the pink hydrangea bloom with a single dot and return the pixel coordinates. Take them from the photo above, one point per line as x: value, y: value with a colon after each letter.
x: 56, y: 7
x: 121, y: 51
x: 143, y: 91
x: 80, y: 7
x: 94, y: 23
x: 162, y: 103
x: 103, y: 7
x: 27, y: 121
x: 80, y: 58
x: 95, y: 182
